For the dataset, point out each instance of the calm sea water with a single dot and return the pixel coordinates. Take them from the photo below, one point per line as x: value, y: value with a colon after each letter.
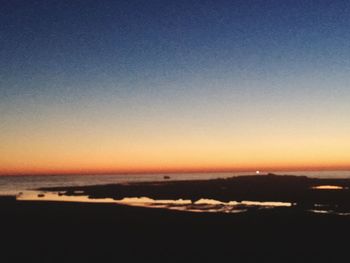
x: 12, y: 185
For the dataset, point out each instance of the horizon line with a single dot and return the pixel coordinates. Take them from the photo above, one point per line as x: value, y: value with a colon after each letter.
x: 173, y: 171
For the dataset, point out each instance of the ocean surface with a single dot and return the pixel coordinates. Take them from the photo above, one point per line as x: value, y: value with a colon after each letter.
x: 12, y: 185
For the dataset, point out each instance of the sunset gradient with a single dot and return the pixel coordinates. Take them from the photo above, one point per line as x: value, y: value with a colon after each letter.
x: 177, y: 86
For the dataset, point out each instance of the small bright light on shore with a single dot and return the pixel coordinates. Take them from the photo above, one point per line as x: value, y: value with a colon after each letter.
x: 257, y: 172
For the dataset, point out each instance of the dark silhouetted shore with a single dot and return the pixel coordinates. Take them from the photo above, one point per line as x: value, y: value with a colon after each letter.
x: 36, y: 231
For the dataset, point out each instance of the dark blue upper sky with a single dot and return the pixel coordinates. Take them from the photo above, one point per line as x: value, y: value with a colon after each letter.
x: 43, y: 42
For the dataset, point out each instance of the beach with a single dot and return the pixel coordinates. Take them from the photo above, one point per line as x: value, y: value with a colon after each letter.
x: 174, y: 131
x: 51, y: 231
x: 68, y: 232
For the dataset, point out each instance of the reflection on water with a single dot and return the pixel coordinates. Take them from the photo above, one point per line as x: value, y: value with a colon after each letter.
x: 328, y: 209
x: 201, y: 205
x: 330, y: 212
x: 318, y: 211
x: 204, y: 201
x: 149, y: 201
x: 50, y: 196
x: 267, y: 204
x: 329, y: 187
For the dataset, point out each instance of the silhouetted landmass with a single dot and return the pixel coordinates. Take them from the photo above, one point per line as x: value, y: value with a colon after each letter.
x: 84, y: 232
x: 271, y: 187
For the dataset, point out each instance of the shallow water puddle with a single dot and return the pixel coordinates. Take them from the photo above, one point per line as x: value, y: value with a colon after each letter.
x: 59, y: 197
x: 328, y: 187
x: 329, y: 212
x: 201, y: 205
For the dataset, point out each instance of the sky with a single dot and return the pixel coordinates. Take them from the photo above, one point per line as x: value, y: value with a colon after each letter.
x: 153, y: 86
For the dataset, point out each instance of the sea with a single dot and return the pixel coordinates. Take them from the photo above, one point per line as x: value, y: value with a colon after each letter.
x: 12, y: 185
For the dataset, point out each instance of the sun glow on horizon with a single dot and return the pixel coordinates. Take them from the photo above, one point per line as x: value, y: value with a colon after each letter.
x: 170, y: 90
x: 59, y: 149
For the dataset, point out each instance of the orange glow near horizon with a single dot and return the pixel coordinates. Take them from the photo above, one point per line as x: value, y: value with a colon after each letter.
x: 85, y: 142
x: 172, y: 159
x: 150, y: 170
x: 73, y: 154
x: 149, y: 88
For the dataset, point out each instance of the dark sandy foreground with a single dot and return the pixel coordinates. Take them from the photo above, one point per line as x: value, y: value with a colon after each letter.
x: 81, y: 232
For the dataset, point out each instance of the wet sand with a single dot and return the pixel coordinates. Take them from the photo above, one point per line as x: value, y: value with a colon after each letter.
x: 35, y: 231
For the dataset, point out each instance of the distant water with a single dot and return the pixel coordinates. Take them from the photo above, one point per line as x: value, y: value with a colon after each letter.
x: 12, y: 185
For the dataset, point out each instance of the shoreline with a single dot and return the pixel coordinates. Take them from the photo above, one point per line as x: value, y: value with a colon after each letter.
x: 51, y: 231
x: 222, y: 195
x: 299, y: 192
x: 64, y: 232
